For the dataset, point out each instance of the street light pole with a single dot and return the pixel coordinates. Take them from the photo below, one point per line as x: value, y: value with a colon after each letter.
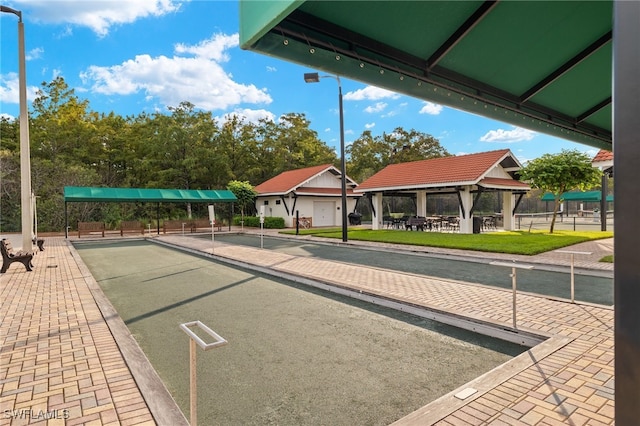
x: 314, y: 77
x: 25, y: 160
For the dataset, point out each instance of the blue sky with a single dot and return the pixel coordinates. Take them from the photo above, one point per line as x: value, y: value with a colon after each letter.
x: 140, y: 56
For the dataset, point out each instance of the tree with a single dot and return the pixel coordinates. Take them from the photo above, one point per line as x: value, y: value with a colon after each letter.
x: 559, y: 173
x: 244, y: 192
x: 61, y: 125
x: 369, y: 154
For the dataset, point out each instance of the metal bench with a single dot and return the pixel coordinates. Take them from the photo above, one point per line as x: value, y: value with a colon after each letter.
x: 9, y: 256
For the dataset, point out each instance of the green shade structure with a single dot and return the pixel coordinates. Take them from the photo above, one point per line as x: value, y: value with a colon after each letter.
x: 545, y: 66
x: 143, y: 195
x: 588, y: 196
x: 126, y: 195
x: 565, y: 68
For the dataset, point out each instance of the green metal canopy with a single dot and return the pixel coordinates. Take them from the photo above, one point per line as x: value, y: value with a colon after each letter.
x: 566, y: 68
x: 124, y: 195
x: 492, y: 58
x: 592, y: 196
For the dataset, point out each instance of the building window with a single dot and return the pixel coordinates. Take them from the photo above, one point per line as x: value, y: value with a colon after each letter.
x: 277, y: 202
x: 266, y: 202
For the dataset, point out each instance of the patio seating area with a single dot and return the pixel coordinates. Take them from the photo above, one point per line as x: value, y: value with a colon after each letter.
x: 438, y: 223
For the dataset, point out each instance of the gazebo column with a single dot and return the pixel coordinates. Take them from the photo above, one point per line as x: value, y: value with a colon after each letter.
x: 377, y: 213
x: 466, y: 201
x: 421, y: 203
x: 508, y: 216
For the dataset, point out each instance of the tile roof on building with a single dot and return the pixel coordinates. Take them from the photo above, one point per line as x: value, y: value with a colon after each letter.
x: 292, y: 180
x: 603, y: 155
x: 443, y: 171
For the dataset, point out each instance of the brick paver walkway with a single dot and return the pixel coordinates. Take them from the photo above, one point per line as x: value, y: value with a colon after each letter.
x: 58, y: 352
x: 59, y: 363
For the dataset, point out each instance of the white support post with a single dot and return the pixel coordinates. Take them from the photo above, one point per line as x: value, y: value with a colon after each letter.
x: 212, y: 220
x: 376, y: 218
x: 508, y: 217
x: 466, y: 223
x: 573, y: 282
x: 421, y: 203
x: 514, y: 284
x: 193, y: 376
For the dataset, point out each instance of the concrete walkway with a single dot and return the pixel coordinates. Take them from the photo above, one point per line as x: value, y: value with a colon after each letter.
x: 62, y: 358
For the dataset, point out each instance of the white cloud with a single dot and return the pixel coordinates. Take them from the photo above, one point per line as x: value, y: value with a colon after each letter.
x: 517, y: 134
x: 370, y: 93
x: 369, y: 125
x: 431, y: 108
x: 249, y: 115
x: 7, y: 116
x: 9, y: 89
x: 99, y: 16
x: 378, y: 107
x: 34, y: 54
x: 271, y: 69
x: 214, y: 48
x: 199, y: 79
x: 328, y: 129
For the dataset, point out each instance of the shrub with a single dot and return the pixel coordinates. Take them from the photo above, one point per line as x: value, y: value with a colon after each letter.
x: 254, y: 222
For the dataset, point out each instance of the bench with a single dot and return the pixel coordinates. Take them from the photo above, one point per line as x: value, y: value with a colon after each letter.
x: 205, y: 224
x: 131, y: 226
x: 90, y: 227
x: 9, y: 256
x: 418, y: 222
x: 176, y: 225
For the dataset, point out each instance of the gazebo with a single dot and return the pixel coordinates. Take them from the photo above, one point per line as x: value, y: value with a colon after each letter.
x: 467, y: 176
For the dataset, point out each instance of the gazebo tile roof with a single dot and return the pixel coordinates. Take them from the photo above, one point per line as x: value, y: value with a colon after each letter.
x: 603, y: 155
x: 462, y: 169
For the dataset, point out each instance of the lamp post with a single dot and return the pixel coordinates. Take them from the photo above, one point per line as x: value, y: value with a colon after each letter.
x: 314, y: 77
x: 25, y: 161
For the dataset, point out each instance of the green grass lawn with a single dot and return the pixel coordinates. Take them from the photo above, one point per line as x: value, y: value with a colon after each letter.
x: 513, y: 242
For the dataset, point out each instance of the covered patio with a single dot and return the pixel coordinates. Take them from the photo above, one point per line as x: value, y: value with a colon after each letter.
x: 75, y: 194
x: 545, y: 66
x: 466, y: 176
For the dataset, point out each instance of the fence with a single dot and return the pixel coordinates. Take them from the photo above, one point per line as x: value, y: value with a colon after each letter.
x: 588, y: 221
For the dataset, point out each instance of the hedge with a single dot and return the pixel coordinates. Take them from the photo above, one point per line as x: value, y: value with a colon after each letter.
x: 254, y: 221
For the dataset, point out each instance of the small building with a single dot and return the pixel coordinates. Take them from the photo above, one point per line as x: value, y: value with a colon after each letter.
x: 468, y: 176
x: 313, y: 192
x: 603, y: 161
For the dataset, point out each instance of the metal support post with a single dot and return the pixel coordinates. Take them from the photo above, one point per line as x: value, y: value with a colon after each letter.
x: 514, y: 283
x: 573, y: 253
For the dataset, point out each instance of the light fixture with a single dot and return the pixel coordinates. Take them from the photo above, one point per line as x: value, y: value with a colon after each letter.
x: 314, y: 77
x: 311, y: 77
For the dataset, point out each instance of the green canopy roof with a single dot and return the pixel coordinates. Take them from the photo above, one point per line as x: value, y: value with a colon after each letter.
x: 578, y: 196
x: 123, y: 195
x: 542, y: 65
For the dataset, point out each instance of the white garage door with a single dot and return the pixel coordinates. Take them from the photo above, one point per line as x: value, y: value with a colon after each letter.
x: 324, y: 213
